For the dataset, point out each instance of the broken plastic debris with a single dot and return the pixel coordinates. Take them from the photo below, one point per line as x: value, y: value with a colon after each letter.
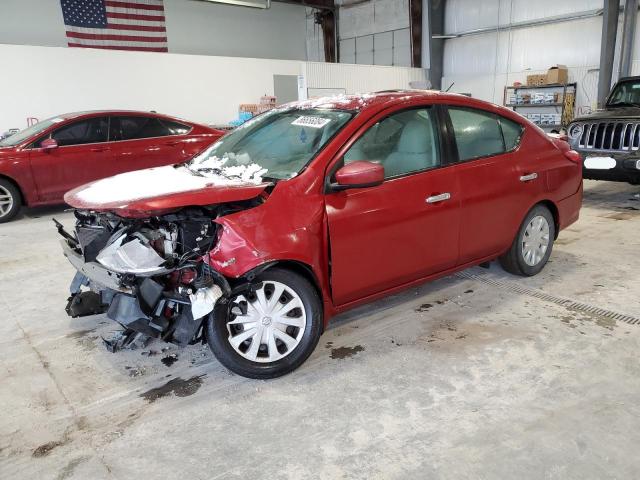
x: 203, y: 301
x: 131, y: 257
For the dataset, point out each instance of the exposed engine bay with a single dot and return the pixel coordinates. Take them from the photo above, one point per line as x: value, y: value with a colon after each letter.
x: 149, y: 275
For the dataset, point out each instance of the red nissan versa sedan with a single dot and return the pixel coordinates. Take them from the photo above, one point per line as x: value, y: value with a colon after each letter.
x: 40, y: 163
x: 311, y: 209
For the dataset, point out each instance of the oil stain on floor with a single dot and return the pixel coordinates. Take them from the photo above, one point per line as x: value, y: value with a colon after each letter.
x: 345, y: 352
x: 177, y: 386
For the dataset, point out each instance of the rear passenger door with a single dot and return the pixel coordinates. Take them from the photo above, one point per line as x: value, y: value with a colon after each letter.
x: 494, y: 196
x: 142, y: 142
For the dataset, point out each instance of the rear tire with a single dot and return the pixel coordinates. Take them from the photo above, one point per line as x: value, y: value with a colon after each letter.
x: 533, y: 244
x: 10, y: 200
x: 257, y: 335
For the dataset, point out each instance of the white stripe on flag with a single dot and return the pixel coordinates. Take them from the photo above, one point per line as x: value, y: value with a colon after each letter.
x: 145, y: 2
x: 116, y: 43
x: 125, y: 21
x: 110, y: 31
x: 135, y: 11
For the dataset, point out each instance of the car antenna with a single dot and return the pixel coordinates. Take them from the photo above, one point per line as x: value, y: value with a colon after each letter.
x: 452, y: 84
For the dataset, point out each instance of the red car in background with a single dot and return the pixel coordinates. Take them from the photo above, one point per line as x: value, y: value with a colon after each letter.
x: 40, y: 163
x: 311, y: 209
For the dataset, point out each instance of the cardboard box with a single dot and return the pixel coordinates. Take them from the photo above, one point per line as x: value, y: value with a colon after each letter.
x: 557, y: 74
x: 536, y: 80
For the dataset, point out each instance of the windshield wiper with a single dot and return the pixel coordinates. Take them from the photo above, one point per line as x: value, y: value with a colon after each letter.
x: 623, y: 104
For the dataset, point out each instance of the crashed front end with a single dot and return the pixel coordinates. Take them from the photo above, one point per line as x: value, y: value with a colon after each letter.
x: 150, y: 275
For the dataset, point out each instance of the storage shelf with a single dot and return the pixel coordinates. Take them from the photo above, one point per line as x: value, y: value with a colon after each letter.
x: 545, y: 104
x: 530, y: 87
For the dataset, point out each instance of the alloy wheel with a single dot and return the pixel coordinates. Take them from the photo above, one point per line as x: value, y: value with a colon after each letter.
x: 535, y: 240
x: 268, y: 323
x: 6, y: 201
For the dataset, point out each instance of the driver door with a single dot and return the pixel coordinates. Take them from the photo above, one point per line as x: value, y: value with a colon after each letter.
x: 392, y: 234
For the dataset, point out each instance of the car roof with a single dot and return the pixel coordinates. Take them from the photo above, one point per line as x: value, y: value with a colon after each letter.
x: 93, y: 113
x: 364, y: 101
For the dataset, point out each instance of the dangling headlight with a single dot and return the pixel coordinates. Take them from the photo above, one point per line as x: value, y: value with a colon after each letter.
x: 575, y: 131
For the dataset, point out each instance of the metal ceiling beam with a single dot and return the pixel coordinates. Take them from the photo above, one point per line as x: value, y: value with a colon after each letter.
x: 319, y: 4
x: 436, y: 43
x: 628, y: 34
x: 607, y: 48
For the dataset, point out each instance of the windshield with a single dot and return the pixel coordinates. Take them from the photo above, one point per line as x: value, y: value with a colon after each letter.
x: 22, y: 135
x: 626, y: 93
x: 277, y: 145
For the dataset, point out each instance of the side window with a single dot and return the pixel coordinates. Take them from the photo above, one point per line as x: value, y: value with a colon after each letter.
x: 133, y: 128
x: 404, y: 142
x: 175, y: 128
x: 477, y: 133
x: 92, y: 130
x: 511, y: 132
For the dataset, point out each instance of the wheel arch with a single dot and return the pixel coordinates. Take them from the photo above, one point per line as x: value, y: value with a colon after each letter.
x: 23, y: 198
x: 553, y: 208
x: 301, y: 268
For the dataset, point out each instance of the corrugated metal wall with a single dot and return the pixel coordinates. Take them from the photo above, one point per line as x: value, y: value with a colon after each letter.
x: 374, y: 32
x: 359, y: 78
x: 483, y: 64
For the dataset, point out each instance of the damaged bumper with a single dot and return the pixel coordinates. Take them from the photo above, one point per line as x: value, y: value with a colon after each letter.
x: 159, y: 303
x: 93, y: 271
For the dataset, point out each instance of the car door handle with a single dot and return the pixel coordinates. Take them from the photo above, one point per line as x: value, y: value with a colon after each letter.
x: 173, y: 142
x: 528, y: 177
x: 438, y: 198
x: 100, y: 149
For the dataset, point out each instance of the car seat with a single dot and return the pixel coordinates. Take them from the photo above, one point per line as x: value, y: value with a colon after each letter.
x: 416, y: 150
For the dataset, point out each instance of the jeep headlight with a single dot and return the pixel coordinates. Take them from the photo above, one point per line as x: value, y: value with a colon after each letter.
x: 575, y: 131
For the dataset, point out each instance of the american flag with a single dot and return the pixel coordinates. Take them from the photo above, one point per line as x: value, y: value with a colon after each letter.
x: 115, y: 25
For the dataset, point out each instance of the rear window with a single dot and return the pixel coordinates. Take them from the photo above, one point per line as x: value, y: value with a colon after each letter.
x: 482, y: 134
x: 512, y: 132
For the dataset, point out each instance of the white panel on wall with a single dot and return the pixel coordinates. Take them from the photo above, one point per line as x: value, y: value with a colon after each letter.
x: 356, y: 21
x: 541, y: 47
x: 464, y: 15
x: 364, y: 50
x: 402, y: 48
x: 189, y: 86
x: 360, y: 78
x: 383, y: 48
x: 535, y: 48
x: 348, y: 50
x: 390, y: 15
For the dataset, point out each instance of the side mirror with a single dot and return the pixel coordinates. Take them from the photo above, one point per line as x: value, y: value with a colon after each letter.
x: 359, y: 174
x: 48, y: 144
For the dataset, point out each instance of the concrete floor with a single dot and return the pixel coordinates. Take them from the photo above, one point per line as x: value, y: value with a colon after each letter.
x: 478, y: 375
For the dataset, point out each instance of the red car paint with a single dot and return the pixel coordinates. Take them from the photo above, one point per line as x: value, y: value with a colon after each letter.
x: 364, y: 243
x: 43, y: 176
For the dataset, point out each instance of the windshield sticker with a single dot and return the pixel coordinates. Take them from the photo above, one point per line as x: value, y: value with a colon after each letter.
x: 312, y: 122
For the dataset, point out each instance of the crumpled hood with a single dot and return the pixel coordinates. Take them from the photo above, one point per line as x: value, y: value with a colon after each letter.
x: 161, y: 189
x: 617, y: 113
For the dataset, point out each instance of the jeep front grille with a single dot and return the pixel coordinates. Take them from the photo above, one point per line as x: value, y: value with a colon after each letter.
x: 621, y: 136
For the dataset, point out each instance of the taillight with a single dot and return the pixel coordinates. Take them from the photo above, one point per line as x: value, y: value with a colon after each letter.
x: 573, y: 156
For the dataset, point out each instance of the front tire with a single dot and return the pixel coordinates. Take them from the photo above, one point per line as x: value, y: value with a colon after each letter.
x: 269, y: 331
x: 10, y: 200
x: 533, y: 244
